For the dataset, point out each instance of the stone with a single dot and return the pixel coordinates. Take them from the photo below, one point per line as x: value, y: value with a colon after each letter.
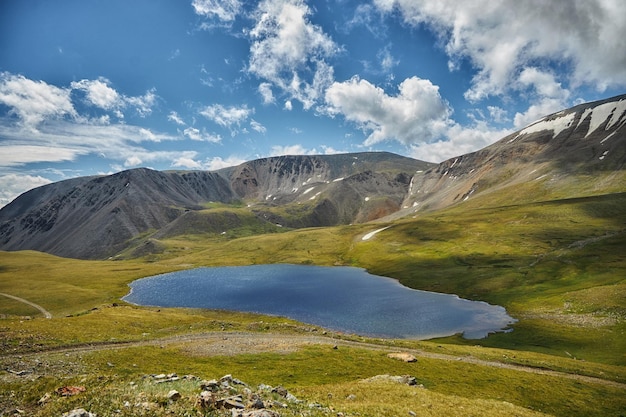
x: 402, y: 356
x: 257, y: 413
x: 173, y: 395
x: 206, y: 399
x: 280, y: 391
x: 79, y: 412
x: 44, y: 399
x: 211, y: 385
x: 230, y: 403
x: 399, y: 379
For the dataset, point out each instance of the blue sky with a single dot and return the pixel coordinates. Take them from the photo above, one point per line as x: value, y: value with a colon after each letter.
x: 92, y: 87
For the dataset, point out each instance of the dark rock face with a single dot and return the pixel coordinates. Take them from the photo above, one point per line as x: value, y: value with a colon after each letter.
x: 98, y: 217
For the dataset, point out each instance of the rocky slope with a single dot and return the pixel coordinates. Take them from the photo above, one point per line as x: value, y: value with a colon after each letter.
x: 576, y: 152
x: 573, y: 153
x: 98, y: 217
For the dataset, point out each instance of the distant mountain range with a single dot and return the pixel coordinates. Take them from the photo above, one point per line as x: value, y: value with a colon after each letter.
x: 573, y: 153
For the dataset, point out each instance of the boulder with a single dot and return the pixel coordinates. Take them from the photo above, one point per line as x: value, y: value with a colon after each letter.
x: 78, y: 412
x: 402, y: 356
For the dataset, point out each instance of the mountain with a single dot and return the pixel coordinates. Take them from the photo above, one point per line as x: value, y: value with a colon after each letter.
x: 99, y: 217
x: 576, y: 152
x: 573, y: 153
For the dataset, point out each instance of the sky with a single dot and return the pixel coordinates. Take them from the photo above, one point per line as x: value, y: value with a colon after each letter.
x: 93, y: 87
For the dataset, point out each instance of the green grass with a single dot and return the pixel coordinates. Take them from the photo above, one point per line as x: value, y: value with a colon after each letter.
x: 319, y: 374
x: 558, y: 267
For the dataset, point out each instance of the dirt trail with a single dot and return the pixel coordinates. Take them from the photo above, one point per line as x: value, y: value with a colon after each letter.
x: 45, y: 312
x: 235, y: 343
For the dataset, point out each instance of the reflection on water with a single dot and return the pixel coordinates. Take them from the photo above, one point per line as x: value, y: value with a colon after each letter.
x: 340, y: 298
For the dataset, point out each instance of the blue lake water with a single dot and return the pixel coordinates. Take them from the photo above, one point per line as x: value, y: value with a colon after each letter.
x: 344, y: 299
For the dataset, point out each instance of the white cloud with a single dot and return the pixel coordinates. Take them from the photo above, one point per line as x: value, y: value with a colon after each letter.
x: 225, y: 10
x: 61, y: 140
x: 202, y: 136
x: 174, y: 117
x: 387, y: 62
x: 498, y: 114
x: 297, y: 149
x: 265, y: 89
x: 187, y: 163
x: 34, y: 101
x: 21, y: 154
x: 502, y: 38
x: 257, y: 127
x: 132, y: 161
x: 227, y: 117
x: 12, y: 185
x: 416, y: 114
x: 288, y: 105
x: 550, y: 96
x: 143, y: 104
x: 289, y: 51
x: 218, y: 163
x: 99, y: 93
x: 459, y: 140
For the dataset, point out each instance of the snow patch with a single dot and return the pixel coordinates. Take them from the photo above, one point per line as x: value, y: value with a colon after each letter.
x: 308, y: 190
x: 315, y: 196
x: 369, y: 235
x: 454, y: 163
x: 604, y: 154
x: 338, y: 179
x: 604, y: 140
x: 367, y: 199
x: 611, y: 112
x: 556, y: 125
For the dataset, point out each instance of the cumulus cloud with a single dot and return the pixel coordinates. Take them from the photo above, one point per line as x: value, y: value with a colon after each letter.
x: 289, y: 51
x: 217, y: 162
x: 186, y: 163
x: 34, y: 101
x: 416, y: 114
x: 99, y: 93
x: 549, y: 96
x: 500, y: 39
x: 12, y: 185
x: 458, y: 140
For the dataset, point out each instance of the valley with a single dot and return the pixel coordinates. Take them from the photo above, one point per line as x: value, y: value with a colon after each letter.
x: 535, y: 223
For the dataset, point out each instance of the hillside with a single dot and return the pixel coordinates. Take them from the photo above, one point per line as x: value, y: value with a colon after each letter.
x: 574, y: 153
x: 542, y: 235
x: 99, y: 217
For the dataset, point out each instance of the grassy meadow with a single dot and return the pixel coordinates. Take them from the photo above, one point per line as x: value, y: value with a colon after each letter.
x: 558, y: 267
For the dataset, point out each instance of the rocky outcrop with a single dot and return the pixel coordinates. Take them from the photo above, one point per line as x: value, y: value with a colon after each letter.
x: 555, y: 154
x: 100, y: 217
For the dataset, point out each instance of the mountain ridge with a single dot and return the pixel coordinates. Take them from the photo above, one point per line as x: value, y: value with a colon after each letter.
x: 576, y: 152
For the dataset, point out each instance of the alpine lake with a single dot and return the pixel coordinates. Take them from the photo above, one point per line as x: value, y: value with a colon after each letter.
x: 343, y: 299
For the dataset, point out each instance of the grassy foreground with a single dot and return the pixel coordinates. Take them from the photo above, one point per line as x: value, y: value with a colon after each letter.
x: 558, y: 267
